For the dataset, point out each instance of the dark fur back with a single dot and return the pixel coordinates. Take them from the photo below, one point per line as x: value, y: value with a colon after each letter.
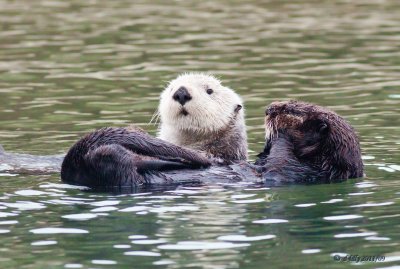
x: 121, y: 156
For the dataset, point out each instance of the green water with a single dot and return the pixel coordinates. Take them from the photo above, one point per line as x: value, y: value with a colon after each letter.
x: 68, y: 67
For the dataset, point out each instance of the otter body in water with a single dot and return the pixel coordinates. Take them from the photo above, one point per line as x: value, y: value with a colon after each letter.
x: 305, y: 143
x: 123, y: 155
x: 198, y: 112
x: 212, y: 122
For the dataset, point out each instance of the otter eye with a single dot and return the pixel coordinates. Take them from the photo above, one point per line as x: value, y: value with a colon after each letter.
x: 210, y: 91
x: 323, y: 128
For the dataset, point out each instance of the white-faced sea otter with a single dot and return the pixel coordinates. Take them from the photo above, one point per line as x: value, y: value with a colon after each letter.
x: 305, y: 143
x: 198, y: 112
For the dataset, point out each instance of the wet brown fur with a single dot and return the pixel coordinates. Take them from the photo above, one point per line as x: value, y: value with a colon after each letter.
x: 320, y: 138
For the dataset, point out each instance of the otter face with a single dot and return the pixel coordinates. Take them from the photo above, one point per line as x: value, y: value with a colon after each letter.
x: 198, y: 103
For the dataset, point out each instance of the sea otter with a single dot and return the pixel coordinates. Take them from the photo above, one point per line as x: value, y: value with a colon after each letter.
x: 198, y: 112
x: 308, y: 143
x: 305, y: 143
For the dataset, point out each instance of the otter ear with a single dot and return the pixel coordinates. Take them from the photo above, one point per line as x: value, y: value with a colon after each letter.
x: 238, y: 108
x: 323, y: 127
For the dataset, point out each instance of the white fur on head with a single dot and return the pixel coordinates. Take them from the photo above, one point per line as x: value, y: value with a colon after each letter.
x: 207, y: 113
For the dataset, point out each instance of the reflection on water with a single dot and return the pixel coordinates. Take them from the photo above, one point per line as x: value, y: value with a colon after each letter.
x: 67, y: 67
x: 199, y: 226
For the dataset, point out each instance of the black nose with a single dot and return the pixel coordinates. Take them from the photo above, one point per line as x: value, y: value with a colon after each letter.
x: 182, y: 95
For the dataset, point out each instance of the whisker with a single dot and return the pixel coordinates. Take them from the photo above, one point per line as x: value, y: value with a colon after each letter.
x: 157, y: 119
x: 156, y: 116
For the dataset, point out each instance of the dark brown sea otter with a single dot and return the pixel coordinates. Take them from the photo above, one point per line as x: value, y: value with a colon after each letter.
x: 304, y: 143
x: 309, y: 143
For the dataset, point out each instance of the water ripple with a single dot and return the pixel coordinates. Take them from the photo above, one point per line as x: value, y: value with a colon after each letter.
x: 243, y: 238
x: 68, y: 67
x: 44, y: 243
x: 343, y: 217
x: 58, y: 231
x: 142, y: 253
x: 83, y: 216
x: 270, y: 221
x: 194, y: 245
x: 362, y: 234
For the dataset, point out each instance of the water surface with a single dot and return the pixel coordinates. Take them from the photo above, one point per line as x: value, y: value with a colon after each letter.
x: 68, y: 67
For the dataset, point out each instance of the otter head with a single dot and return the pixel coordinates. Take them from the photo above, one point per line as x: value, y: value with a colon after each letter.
x: 198, y: 104
x: 319, y: 137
